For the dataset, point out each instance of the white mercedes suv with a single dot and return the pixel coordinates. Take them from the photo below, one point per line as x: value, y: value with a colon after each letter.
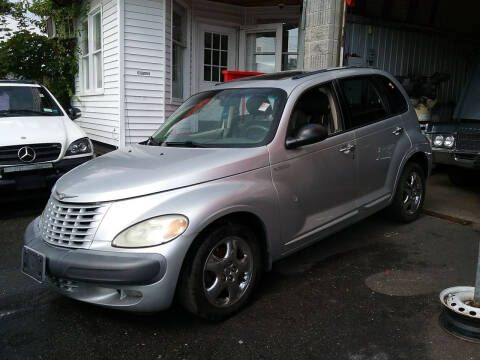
x: 39, y: 142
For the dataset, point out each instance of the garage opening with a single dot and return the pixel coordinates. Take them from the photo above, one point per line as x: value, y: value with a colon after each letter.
x: 431, y: 46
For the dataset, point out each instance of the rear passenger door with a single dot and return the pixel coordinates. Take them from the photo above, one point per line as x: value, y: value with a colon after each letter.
x: 374, y: 106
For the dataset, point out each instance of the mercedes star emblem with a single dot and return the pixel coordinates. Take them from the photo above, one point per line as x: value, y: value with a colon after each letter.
x: 26, y: 154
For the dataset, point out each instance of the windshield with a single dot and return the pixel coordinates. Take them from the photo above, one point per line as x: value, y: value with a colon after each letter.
x: 26, y: 101
x: 224, y: 118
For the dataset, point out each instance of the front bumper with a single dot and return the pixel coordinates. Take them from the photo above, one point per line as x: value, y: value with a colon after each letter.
x: 38, y: 178
x: 115, y: 279
x: 467, y: 160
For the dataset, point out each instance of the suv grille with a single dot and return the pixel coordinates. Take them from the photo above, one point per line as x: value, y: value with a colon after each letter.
x: 70, y: 225
x: 43, y: 152
x: 468, y: 139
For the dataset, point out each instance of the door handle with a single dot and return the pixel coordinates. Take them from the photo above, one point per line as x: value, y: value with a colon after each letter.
x: 398, y: 130
x: 347, y: 148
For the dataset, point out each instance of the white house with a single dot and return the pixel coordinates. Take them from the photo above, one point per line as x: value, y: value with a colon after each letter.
x: 141, y: 58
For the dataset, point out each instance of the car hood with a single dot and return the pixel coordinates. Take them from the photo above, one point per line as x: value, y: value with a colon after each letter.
x: 18, y: 130
x: 140, y: 170
x: 452, y: 127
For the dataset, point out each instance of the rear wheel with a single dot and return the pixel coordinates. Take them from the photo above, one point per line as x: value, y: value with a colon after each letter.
x: 410, y: 194
x: 221, y: 272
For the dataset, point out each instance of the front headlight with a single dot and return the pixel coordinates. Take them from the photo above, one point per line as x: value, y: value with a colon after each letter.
x: 449, y: 141
x: 152, y: 232
x: 80, y: 146
x: 438, y: 140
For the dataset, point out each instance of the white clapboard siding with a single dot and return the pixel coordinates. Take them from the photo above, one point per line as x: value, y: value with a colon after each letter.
x: 100, y: 112
x: 144, y: 72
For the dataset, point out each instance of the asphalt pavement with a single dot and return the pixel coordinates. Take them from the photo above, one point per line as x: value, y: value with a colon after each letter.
x: 368, y: 292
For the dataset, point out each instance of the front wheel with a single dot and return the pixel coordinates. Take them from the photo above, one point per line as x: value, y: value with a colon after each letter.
x: 410, y: 194
x: 221, y: 272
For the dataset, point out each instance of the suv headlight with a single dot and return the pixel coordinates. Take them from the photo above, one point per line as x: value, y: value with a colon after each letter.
x: 80, y: 146
x: 449, y: 141
x: 152, y: 232
x: 438, y: 140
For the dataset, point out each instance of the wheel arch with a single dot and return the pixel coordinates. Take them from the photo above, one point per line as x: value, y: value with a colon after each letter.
x: 417, y: 156
x: 421, y: 159
x: 242, y: 216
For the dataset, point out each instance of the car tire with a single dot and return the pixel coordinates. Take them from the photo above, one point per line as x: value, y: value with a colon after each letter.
x: 410, y: 194
x: 220, y: 272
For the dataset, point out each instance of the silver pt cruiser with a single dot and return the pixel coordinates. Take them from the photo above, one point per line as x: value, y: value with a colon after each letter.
x: 236, y: 178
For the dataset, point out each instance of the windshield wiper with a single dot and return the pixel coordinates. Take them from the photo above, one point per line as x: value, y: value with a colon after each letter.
x: 189, y: 143
x: 151, y: 141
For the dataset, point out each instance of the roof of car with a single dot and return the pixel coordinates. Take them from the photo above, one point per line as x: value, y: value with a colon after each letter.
x: 288, y: 80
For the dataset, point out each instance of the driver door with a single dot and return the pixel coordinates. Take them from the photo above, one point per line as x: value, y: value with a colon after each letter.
x: 317, y: 183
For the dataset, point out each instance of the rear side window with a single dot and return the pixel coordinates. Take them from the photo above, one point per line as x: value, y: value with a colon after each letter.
x: 363, y: 101
x: 395, y: 98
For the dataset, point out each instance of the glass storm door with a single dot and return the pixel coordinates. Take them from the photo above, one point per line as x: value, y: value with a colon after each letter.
x: 217, y: 52
x: 261, y: 48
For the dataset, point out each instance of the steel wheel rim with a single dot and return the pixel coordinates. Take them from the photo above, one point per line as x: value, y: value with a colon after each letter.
x: 227, y: 272
x: 412, y: 193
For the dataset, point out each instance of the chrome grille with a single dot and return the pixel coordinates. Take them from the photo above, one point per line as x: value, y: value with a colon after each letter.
x: 43, y: 152
x: 70, y: 225
x: 468, y: 139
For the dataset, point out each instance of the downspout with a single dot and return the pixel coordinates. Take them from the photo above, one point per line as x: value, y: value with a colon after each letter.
x: 341, y: 40
x: 301, y: 41
x: 121, y: 64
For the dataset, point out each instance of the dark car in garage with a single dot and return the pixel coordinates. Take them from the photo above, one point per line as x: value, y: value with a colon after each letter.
x: 456, y: 145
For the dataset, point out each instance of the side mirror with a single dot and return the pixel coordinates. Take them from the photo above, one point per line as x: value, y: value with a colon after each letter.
x: 308, y: 134
x: 74, y: 113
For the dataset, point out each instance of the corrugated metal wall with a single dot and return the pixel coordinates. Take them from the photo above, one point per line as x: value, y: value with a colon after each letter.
x: 404, y: 52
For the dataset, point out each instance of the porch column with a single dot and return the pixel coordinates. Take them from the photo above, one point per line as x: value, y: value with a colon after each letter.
x: 323, y: 22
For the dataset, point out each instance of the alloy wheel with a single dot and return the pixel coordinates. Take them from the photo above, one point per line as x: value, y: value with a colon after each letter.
x: 227, y: 272
x: 412, y: 193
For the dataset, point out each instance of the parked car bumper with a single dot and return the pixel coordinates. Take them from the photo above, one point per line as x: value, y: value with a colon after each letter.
x: 122, y: 280
x: 467, y: 160
x: 38, y: 177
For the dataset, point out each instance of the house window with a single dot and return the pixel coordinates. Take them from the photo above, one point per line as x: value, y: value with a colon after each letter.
x: 51, y: 30
x: 290, y: 47
x: 91, y: 50
x: 179, y: 47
